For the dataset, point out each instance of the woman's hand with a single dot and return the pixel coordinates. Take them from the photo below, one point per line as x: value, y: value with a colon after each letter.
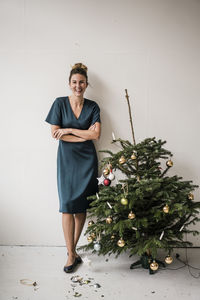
x: 60, y: 132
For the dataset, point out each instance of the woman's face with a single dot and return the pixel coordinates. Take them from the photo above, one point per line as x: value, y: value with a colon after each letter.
x: 78, y: 84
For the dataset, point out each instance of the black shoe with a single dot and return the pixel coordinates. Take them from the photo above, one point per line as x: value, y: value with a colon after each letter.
x: 69, y: 269
x: 79, y: 260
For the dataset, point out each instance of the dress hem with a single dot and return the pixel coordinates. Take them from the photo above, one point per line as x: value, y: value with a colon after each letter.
x: 77, y: 212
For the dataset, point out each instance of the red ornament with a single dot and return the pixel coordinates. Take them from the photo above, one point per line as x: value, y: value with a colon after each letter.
x: 107, y: 182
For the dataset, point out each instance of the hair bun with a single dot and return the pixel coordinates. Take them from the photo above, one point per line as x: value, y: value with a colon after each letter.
x: 79, y: 66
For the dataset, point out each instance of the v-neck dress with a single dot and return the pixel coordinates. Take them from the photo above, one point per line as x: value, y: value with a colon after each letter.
x: 77, y: 164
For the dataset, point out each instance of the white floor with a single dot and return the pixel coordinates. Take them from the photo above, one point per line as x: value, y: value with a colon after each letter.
x: 44, y: 265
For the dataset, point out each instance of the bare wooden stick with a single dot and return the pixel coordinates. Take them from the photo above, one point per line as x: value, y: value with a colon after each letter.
x: 131, y: 121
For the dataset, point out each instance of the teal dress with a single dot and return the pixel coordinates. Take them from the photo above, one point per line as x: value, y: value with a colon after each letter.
x: 77, y: 164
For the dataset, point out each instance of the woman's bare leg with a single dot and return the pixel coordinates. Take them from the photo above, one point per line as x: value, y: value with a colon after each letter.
x: 79, y: 223
x: 68, y: 224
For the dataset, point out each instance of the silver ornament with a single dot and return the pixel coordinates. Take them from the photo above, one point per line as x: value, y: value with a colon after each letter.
x: 97, y: 246
x: 76, y: 278
x: 97, y: 285
x: 100, y: 179
x: 111, y: 176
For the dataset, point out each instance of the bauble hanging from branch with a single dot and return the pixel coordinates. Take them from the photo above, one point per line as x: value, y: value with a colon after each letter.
x: 121, y: 243
x: 133, y: 157
x: 111, y: 176
x: 166, y: 209
x: 168, y: 259
x: 131, y: 215
x: 91, y: 222
x: 169, y: 163
x: 89, y: 238
x: 124, y: 201
x: 190, y: 196
x: 154, y: 266
x: 106, y: 171
x: 109, y: 220
x: 122, y: 160
x: 107, y: 182
x: 97, y: 246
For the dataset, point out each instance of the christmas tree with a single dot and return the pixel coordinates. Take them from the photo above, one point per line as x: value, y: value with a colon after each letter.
x: 146, y: 210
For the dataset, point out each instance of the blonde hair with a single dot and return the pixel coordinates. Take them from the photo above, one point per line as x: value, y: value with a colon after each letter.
x: 79, y: 66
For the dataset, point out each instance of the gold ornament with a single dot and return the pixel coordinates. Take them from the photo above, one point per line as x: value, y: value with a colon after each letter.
x: 109, y: 220
x: 122, y: 160
x: 89, y: 238
x: 112, y: 237
x: 168, y: 259
x: 138, y: 178
x: 124, y: 201
x: 190, y: 196
x: 90, y: 223
x: 109, y: 166
x: 106, y: 171
x: 133, y: 156
x: 131, y: 215
x: 121, y: 243
x: 166, y: 208
x: 93, y: 235
x: 154, y: 266
x: 169, y: 163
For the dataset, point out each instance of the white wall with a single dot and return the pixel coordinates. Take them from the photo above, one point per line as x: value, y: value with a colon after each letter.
x: 149, y: 47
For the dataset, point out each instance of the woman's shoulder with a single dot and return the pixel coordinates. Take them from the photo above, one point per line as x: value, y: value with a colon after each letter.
x: 91, y: 103
x: 60, y: 100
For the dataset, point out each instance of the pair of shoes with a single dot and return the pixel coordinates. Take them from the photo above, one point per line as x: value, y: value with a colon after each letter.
x: 69, y: 269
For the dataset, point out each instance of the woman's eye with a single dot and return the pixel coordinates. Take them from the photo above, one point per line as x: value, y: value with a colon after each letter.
x: 81, y: 82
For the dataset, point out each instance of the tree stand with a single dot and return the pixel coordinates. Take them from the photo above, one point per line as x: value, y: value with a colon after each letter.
x: 145, y: 262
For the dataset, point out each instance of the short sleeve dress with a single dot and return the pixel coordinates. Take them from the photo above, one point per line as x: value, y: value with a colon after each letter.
x: 77, y: 163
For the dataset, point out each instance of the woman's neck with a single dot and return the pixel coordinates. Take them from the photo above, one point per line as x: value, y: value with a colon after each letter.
x: 76, y: 100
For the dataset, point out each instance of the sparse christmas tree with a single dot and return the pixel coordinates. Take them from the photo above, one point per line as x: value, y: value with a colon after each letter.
x: 145, y: 211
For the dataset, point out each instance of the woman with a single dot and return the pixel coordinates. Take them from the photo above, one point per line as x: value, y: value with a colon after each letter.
x: 75, y: 122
